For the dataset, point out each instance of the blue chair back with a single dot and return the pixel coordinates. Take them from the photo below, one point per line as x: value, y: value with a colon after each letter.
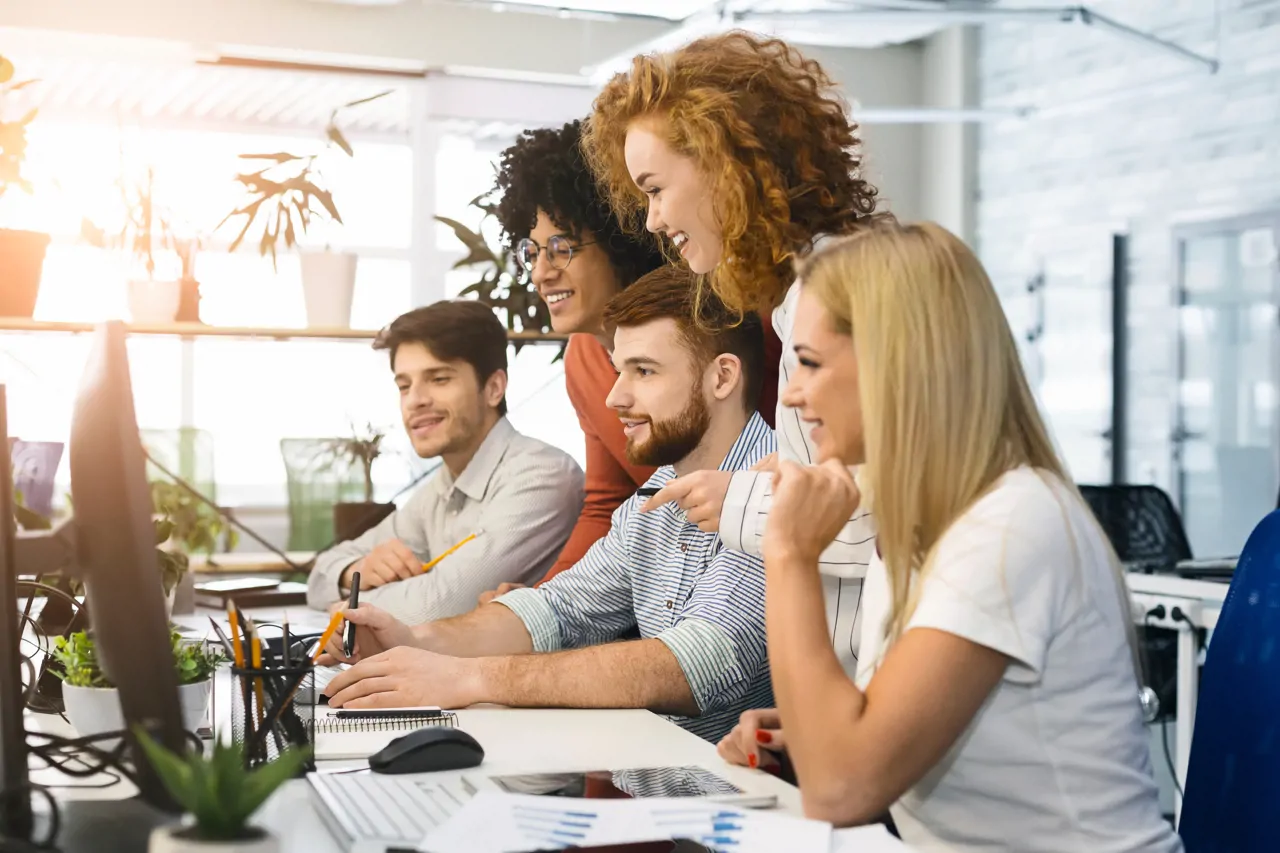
x: 1232, y: 802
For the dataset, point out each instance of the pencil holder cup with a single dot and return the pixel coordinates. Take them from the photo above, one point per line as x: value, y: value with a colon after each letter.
x: 273, y: 709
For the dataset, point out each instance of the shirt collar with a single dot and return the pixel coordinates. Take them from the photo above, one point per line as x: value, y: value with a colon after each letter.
x: 742, y: 454
x: 474, y: 480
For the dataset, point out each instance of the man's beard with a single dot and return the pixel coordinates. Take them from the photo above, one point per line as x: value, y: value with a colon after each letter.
x: 672, y: 440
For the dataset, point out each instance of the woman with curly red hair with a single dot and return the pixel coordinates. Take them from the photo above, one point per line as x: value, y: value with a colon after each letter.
x: 739, y: 153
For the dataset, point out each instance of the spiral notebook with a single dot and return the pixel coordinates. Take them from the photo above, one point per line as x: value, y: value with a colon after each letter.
x: 338, y: 738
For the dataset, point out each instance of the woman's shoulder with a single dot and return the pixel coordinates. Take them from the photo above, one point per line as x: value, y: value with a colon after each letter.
x: 1026, y: 505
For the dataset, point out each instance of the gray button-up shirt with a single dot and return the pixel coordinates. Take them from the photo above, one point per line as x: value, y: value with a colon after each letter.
x: 520, y: 496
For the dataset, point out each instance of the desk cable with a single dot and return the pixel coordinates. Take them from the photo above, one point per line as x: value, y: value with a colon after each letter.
x: 1158, y: 612
x: 230, y: 518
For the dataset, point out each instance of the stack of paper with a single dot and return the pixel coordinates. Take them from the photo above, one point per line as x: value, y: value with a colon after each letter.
x: 494, y: 822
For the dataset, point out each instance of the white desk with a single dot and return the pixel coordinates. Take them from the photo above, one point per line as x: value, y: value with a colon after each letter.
x: 1201, y: 602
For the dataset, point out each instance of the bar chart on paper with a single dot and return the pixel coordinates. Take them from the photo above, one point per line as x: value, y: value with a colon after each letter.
x: 494, y: 822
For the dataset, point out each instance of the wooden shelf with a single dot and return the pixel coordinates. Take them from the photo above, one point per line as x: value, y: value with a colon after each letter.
x: 200, y: 330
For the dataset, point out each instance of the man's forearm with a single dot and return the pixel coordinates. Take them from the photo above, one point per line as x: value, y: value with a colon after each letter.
x: 635, y: 674
x: 490, y: 629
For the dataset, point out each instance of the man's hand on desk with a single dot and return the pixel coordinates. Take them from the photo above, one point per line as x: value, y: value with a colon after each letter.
x: 377, y: 631
x: 503, y: 589
x: 407, y: 677
x: 389, y: 562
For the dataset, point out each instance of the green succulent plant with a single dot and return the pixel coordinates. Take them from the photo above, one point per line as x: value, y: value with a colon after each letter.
x: 218, y: 790
x: 77, y: 655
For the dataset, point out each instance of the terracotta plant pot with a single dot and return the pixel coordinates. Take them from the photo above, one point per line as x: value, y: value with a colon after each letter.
x: 21, y: 262
x: 352, y: 519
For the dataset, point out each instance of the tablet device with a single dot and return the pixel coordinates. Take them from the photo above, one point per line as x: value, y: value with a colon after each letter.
x: 621, y: 784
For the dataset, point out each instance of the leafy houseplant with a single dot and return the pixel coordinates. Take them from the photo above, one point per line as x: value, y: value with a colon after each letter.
x: 358, y: 450
x: 188, y: 526
x: 23, y: 251
x: 92, y: 701
x: 220, y: 794
x: 501, y: 286
x: 284, y: 196
x: 146, y: 230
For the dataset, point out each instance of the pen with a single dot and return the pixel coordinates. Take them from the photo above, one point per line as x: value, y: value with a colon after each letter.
x: 426, y: 567
x: 349, y: 645
x: 648, y: 491
x: 222, y: 638
x: 284, y: 649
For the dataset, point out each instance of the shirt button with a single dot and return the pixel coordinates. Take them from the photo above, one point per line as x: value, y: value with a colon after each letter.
x: 670, y: 604
x: 684, y: 547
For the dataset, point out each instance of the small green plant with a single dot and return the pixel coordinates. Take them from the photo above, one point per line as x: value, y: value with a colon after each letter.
x: 78, y: 657
x: 13, y: 134
x: 189, y: 526
x: 218, y: 790
x: 361, y: 448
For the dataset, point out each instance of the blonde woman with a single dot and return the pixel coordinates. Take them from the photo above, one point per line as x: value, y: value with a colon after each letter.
x: 995, y: 705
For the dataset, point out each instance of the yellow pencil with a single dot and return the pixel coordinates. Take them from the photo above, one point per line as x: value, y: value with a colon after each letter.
x: 255, y: 645
x: 426, y: 567
x: 334, y: 622
x: 234, y: 621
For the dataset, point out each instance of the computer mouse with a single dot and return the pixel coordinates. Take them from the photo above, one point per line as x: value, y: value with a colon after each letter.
x: 426, y: 750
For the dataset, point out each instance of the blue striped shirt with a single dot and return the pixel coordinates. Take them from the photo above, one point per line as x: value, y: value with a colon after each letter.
x: 659, y: 573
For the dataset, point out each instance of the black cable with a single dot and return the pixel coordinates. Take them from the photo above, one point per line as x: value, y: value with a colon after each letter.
x: 235, y: 522
x: 1164, y: 738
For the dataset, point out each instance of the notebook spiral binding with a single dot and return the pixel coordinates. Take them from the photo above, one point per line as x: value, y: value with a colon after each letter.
x: 334, y: 725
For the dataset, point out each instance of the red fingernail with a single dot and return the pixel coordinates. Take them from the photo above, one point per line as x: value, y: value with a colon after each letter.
x: 763, y: 737
x: 752, y: 761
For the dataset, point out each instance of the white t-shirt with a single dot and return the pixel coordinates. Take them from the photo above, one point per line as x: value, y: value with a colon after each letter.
x: 1057, y: 758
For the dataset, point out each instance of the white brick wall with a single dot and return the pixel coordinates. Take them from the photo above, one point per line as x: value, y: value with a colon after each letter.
x: 1127, y: 139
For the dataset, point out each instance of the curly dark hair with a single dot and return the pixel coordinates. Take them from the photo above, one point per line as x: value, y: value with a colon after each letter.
x: 768, y: 129
x: 545, y: 170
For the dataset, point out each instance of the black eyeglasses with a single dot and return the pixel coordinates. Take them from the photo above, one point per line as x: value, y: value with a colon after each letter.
x: 559, y: 252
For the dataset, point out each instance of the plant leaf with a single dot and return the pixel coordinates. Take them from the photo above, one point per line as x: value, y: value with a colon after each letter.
x: 176, y: 774
x: 338, y: 139
x: 264, y: 780
x: 31, y: 114
x: 23, y: 84
x: 326, y: 199
x: 6, y: 70
x: 278, y: 157
x: 367, y: 100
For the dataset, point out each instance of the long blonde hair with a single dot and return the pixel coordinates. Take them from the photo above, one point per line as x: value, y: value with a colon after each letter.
x: 946, y: 408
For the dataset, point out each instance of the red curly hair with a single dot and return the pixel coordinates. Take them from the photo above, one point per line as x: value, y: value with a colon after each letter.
x: 773, y: 137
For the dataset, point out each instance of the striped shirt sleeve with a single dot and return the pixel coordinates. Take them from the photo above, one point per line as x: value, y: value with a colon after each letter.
x: 720, y: 641
x: 589, y: 604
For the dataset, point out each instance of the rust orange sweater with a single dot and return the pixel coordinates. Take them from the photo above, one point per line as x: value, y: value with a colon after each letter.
x: 611, y: 479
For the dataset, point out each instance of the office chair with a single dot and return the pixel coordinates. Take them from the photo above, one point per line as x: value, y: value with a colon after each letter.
x: 1233, y: 780
x: 1142, y: 523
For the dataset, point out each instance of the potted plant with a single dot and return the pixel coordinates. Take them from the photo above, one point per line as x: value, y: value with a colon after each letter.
x: 185, y: 525
x: 23, y: 251
x: 92, y: 701
x: 220, y: 794
x: 359, y: 450
x: 502, y: 286
x: 283, y: 195
x: 145, y: 231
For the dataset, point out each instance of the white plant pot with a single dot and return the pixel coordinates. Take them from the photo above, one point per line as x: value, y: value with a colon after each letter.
x: 154, y: 301
x: 94, y: 710
x: 169, y: 839
x: 328, y: 286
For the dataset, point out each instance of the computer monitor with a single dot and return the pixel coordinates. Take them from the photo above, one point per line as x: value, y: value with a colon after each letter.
x: 116, y: 552
x: 115, y: 557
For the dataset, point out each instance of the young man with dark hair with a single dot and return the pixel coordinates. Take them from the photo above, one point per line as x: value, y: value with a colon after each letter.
x: 686, y: 400
x: 519, y: 497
